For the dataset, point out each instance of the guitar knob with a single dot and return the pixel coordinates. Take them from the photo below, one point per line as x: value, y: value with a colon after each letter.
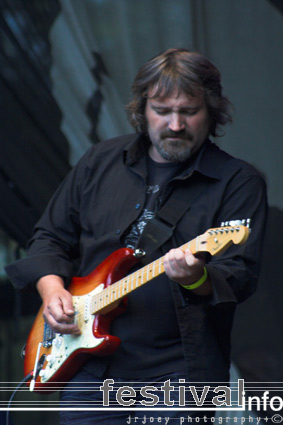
x: 57, y: 342
x: 50, y: 359
x: 43, y: 373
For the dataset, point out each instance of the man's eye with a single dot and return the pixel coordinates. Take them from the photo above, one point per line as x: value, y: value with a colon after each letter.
x: 189, y: 112
x: 161, y: 111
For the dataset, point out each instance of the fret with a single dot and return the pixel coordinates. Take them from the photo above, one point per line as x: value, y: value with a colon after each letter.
x: 125, y: 287
x: 119, y: 290
x: 141, y: 277
x: 132, y: 282
x: 113, y: 290
x: 153, y: 269
x: 99, y: 302
x: 159, y: 267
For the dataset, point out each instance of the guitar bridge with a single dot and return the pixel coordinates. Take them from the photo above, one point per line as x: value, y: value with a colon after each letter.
x: 48, y: 336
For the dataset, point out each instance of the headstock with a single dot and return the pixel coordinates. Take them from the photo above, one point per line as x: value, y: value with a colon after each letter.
x: 219, y: 239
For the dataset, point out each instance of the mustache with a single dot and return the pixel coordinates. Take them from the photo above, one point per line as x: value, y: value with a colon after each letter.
x: 182, y: 134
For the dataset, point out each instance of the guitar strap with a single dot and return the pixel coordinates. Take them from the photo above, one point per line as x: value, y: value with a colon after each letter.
x: 160, y: 229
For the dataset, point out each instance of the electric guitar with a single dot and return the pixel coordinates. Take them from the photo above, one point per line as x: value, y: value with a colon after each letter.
x: 52, y: 359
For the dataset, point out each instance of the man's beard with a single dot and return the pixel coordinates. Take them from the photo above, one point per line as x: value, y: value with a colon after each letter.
x: 178, y: 149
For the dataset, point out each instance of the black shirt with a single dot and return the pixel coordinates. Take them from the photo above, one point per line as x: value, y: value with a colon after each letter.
x: 104, y: 195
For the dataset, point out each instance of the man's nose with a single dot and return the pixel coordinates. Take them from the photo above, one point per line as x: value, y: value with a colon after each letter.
x: 176, y: 122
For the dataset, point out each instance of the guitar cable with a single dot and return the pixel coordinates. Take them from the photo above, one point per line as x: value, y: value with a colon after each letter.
x: 26, y: 379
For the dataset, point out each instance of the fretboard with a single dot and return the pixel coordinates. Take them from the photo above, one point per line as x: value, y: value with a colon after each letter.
x: 135, y: 280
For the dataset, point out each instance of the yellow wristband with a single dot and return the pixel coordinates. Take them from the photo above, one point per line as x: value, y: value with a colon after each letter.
x: 199, y: 282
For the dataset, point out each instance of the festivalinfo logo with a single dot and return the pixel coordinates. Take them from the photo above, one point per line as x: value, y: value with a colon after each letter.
x: 221, y: 396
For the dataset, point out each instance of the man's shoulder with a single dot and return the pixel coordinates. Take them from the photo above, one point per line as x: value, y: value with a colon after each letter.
x: 223, y: 162
x: 107, y: 149
x: 116, y: 143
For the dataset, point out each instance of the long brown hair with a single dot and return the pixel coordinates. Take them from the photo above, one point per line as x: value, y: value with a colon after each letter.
x: 188, y: 72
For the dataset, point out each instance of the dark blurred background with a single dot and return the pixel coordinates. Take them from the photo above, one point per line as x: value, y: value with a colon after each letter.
x: 65, y: 76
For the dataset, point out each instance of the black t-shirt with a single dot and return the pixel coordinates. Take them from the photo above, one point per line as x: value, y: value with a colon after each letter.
x: 158, y: 175
x: 148, y: 329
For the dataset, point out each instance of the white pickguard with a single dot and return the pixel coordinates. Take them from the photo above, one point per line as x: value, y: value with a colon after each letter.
x: 64, y: 345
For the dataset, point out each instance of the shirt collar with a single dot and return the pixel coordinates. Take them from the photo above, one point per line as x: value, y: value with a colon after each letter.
x: 136, y: 148
x: 205, y: 162
x: 209, y: 161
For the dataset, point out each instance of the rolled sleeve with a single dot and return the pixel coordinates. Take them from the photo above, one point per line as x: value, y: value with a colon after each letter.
x: 28, y: 270
x: 222, y: 292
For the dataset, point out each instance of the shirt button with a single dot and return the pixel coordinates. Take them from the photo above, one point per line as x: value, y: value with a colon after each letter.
x: 137, y: 206
x: 118, y: 231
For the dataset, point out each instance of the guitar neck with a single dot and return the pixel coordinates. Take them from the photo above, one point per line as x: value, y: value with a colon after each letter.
x: 135, y: 280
